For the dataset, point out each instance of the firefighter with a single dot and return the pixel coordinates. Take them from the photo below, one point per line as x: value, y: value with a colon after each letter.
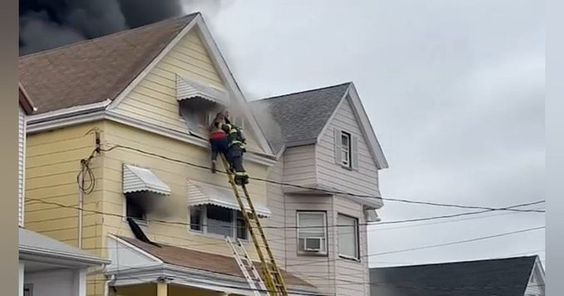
x: 236, y: 150
x: 218, y: 139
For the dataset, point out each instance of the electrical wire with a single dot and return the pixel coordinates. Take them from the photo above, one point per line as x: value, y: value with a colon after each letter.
x: 119, y: 146
x: 30, y: 200
x: 442, y: 244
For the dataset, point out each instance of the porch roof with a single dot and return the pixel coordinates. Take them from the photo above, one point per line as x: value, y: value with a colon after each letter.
x: 203, y: 261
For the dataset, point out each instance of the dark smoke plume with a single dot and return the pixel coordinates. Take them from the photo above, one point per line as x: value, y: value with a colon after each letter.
x: 46, y: 24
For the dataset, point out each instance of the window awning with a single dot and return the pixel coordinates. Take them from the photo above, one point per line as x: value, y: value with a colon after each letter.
x: 186, y: 90
x: 137, y: 179
x: 206, y: 194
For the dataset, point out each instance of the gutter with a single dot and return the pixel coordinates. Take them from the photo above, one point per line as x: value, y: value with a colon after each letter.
x: 44, y: 253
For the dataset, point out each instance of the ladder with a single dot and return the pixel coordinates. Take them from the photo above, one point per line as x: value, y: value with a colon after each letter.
x: 271, y: 275
x: 247, y: 267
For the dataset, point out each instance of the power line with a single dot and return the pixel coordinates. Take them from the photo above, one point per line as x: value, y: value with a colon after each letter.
x: 458, y: 242
x: 438, y: 245
x: 28, y: 200
x: 119, y: 146
x: 449, y: 221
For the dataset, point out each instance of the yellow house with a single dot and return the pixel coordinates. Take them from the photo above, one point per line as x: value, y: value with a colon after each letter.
x: 120, y: 132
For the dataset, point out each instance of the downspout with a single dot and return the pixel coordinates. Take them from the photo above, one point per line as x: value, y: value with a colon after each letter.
x: 107, y: 285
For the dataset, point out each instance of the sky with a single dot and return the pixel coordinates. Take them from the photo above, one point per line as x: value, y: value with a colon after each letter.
x: 453, y: 89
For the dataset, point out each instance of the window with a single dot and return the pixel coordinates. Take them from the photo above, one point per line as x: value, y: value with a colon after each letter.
x: 196, y: 218
x: 218, y: 220
x: 134, y: 208
x: 346, y: 149
x: 28, y: 290
x: 347, y: 236
x: 312, y: 232
x: 198, y: 114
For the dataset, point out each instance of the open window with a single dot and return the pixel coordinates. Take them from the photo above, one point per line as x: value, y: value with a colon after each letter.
x: 143, y: 192
x: 215, y: 220
x: 346, y: 149
x: 198, y: 104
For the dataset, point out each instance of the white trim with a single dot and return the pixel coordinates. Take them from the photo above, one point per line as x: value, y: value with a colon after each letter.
x: 123, y: 94
x: 142, y: 252
x: 252, y: 156
x: 52, y: 115
x: 367, y: 129
x: 325, y: 232
x: 217, y: 58
x: 227, y: 76
x: 33, y: 128
x: 356, y: 236
x: 364, y: 123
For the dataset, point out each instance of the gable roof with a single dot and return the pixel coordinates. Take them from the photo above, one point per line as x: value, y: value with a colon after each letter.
x: 300, y: 118
x: 202, y: 260
x: 504, y: 277
x: 94, y: 70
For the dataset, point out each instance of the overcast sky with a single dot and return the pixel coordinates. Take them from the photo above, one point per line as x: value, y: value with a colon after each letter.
x: 454, y: 91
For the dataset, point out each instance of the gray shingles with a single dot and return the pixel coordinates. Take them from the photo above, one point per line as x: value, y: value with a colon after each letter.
x: 500, y: 277
x: 298, y: 118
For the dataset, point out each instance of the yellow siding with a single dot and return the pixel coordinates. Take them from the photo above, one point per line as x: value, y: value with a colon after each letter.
x: 153, y: 100
x: 52, y: 163
x: 172, y: 173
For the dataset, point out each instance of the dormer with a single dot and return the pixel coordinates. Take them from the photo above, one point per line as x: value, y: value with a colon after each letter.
x: 326, y: 142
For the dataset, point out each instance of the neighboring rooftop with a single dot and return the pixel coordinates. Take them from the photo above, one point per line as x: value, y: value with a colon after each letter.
x: 299, y: 117
x: 202, y: 261
x: 94, y: 70
x: 32, y: 244
x: 499, y: 277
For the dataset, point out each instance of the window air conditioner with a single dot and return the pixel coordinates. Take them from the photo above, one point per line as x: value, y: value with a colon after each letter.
x: 312, y: 244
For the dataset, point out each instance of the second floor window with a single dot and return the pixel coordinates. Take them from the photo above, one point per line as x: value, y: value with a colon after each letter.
x: 347, y: 232
x: 216, y: 220
x: 346, y: 149
x: 312, y: 233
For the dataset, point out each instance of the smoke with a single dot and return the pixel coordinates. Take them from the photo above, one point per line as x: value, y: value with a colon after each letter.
x: 46, y: 24
x: 268, y: 124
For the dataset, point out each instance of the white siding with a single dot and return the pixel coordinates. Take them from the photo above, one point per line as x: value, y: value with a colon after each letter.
x: 299, y: 165
x: 52, y: 282
x: 350, y: 274
x: 276, y: 236
x: 21, y: 166
x: 329, y: 173
x: 318, y: 270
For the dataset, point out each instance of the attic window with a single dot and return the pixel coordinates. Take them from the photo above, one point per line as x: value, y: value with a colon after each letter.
x: 198, y: 114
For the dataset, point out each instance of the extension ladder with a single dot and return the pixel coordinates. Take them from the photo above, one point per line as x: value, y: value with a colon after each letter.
x: 271, y: 275
x: 247, y: 267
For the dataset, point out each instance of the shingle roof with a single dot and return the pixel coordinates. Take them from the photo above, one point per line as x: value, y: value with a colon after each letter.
x: 203, y: 261
x: 94, y: 70
x: 299, y: 117
x: 499, y: 277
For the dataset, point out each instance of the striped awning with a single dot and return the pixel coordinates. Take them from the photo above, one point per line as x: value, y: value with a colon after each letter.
x: 186, y: 90
x: 136, y: 179
x: 207, y: 194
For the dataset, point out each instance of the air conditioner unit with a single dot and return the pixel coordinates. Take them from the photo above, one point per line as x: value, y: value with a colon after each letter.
x: 312, y: 244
